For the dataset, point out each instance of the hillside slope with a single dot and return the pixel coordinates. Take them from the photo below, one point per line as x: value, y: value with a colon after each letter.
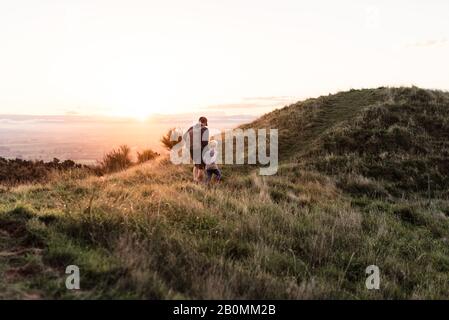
x: 305, y: 233
x: 396, y: 137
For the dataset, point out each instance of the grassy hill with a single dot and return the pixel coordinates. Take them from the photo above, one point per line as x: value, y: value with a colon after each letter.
x: 363, y: 181
x: 392, y: 140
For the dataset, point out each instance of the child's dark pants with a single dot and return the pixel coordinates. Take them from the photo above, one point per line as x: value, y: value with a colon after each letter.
x: 211, y: 172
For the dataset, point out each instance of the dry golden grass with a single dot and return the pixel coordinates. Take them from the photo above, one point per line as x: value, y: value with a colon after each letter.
x: 150, y: 232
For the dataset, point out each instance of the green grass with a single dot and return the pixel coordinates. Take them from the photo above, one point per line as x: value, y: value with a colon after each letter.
x: 307, y: 233
x: 396, y: 137
x: 291, y: 236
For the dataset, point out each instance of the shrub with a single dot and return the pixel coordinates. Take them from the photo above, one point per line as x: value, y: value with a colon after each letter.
x: 17, y: 171
x: 167, y: 139
x: 117, y: 160
x: 146, y: 155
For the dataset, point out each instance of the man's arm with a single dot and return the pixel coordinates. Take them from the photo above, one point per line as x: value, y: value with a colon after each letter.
x: 205, y: 137
x: 186, y: 138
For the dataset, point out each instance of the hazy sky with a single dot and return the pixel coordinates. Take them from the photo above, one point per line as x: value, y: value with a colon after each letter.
x: 134, y: 58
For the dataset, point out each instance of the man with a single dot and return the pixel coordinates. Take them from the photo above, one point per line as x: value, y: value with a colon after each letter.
x: 197, y: 139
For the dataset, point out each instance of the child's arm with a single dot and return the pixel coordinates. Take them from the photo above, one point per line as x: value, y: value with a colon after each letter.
x: 214, y: 156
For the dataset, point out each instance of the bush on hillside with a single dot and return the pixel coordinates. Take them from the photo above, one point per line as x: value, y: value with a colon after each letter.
x: 146, y: 155
x: 117, y: 160
x: 17, y: 171
x: 167, y: 139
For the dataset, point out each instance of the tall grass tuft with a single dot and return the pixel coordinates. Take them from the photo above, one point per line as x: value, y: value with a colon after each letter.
x: 117, y: 160
x: 166, y: 139
x: 146, y: 155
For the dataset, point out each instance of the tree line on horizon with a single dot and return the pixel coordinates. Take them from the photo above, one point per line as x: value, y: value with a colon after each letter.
x: 19, y: 171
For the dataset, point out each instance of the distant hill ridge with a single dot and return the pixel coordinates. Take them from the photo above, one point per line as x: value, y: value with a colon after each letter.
x: 397, y: 137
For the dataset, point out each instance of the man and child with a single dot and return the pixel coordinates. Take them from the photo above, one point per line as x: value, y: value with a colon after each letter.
x: 200, y: 149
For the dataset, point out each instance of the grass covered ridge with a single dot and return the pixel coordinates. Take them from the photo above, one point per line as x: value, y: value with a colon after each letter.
x: 308, y: 232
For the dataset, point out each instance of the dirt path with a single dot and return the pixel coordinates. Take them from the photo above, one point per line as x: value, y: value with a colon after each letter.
x: 20, y: 254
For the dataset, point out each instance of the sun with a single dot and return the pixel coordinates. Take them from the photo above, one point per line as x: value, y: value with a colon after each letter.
x: 140, y: 104
x: 141, y: 115
x: 131, y: 112
x: 135, y: 106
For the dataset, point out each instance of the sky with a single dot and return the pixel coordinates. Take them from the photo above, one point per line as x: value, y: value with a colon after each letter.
x: 137, y: 58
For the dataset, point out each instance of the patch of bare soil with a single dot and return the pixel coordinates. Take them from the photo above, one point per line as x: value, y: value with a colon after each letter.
x: 16, y: 248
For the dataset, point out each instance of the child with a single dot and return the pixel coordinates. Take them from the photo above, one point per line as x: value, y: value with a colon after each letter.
x: 211, y: 166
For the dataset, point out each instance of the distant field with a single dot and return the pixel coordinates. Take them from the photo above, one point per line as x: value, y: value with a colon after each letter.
x: 86, y: 140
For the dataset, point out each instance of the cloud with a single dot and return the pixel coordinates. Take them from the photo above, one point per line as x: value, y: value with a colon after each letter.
x: 19, y: 119
x: 71, y: 113
x: 235, y: 106
x: 273, y: 99
x: 428, y: 43
x: 42, y: 119
x: 192, y: 118
x: 255, y: 102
